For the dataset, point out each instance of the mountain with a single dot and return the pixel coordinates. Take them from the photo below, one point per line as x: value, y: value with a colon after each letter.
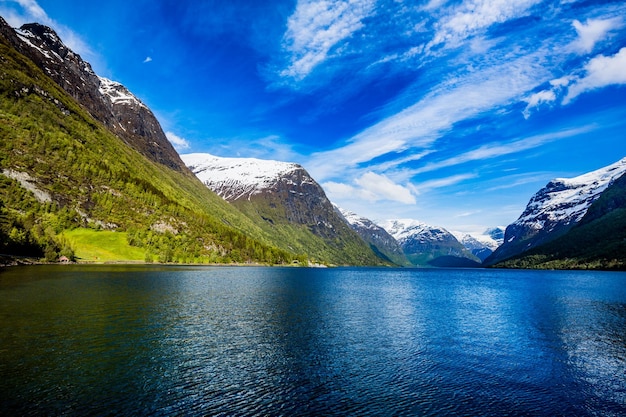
x: 381, y: 242
x: 598, y: 241
x: 425, y: 245
x: 108, y: 102
x: 555, y: 209
x: 284, y: 201
x: 65, y: 174
x: 481, y: 245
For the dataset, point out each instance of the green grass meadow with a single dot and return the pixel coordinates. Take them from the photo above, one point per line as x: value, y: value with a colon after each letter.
x: 102, y: 246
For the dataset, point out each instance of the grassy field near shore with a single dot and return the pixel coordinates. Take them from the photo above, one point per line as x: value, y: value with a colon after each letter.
x: 102, y: 246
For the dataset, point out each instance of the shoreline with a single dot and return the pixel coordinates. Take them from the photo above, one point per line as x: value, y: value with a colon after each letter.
x: 7, y: 261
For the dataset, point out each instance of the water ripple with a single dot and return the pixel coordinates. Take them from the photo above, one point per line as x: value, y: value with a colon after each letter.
x: 285, y: 342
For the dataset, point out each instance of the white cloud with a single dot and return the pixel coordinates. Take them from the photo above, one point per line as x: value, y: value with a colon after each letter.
x: 434, y: 4
x: 316, y: 27
x: 178, y: 142
x: 562, y: 82
x: 494, y: 150
x: 33, y: 9
x: 542, y: 97
x: 370, y: 187
x: 601, y: 71
x: 592, y: 32
x: 382, y: 188
x: 421, y: 124
x: 474, y: 15
x: 148, y: 59
x: 443, y: 182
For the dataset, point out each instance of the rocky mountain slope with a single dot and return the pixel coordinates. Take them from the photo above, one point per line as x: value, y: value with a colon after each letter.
x: 381, y: 242
x: 108, y: 102
x: 425, y: 245
x: 597, y: 241
x: 555, y: 209
x: 63, y: 170
x: 284, y: 200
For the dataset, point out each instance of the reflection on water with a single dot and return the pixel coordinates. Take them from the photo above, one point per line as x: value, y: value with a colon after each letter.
x: 151, y: 340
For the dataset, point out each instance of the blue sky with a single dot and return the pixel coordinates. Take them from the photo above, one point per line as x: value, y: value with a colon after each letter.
x: 450, y: 112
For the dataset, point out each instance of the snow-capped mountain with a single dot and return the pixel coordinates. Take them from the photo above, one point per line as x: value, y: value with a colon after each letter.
x: 555, y: 209
x: 378, y: 238
x: 496, y: 233
x: 428, y: 245
x: 107, y: 101
x: 481, y: 245
x: 236, y: 178
x: 282, y: 198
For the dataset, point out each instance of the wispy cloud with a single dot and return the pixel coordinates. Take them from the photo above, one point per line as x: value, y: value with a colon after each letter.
x: 443, y: 182
x: 593, y: 31
x: 600, y: 71
x: 536, y: 99
x: 421, y: 124
x: 148, y: 59
x: 516, y: 180
x: 178, y: 142
x: 472, y: 16
x: 495, y: 150
x: 315, y: 28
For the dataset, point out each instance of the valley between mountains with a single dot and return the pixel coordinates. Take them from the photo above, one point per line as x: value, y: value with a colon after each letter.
x: 87, y: 174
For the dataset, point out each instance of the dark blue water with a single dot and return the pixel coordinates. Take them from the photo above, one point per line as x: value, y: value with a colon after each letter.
x: 164, y: 341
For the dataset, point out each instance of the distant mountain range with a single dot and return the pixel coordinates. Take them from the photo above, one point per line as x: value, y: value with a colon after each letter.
x: 81, y: 155
x: 426, y: 245
x: 283, y: 196
x: 484, y: 244
x: 381, y: 242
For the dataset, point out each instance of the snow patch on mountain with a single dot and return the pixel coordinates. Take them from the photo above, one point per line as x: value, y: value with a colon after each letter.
x: 403, y: 229
x: 29, y: 38
x: 566, y: 200
x: 235, y: 178
x: 478, y: 241
x: 355, y: 220
x: 117, y: 93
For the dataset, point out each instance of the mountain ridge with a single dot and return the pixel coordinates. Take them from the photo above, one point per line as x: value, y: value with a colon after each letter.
x: 129, y: 119
x: 282, y: 198
x: 597, y: 241
x: 426, y: 245
x: 88, y: 177
x: 381, y: 242
x: 555, y: 209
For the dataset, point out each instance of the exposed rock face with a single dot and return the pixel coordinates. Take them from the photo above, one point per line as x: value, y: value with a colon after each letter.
x: 278, y: 185
x: 378, y: 238
x: 427, y: 245
x: 108, y: 102
x: 555, y: 209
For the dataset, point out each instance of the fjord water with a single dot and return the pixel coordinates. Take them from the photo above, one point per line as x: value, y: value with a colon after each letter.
x: 153, y: 340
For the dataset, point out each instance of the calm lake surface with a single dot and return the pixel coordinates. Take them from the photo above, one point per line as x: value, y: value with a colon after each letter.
x: 162, y: 341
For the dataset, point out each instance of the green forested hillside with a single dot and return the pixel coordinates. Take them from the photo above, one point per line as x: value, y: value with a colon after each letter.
x: 598, y: 241
x: 339, y: 247
x: 84, y: 176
